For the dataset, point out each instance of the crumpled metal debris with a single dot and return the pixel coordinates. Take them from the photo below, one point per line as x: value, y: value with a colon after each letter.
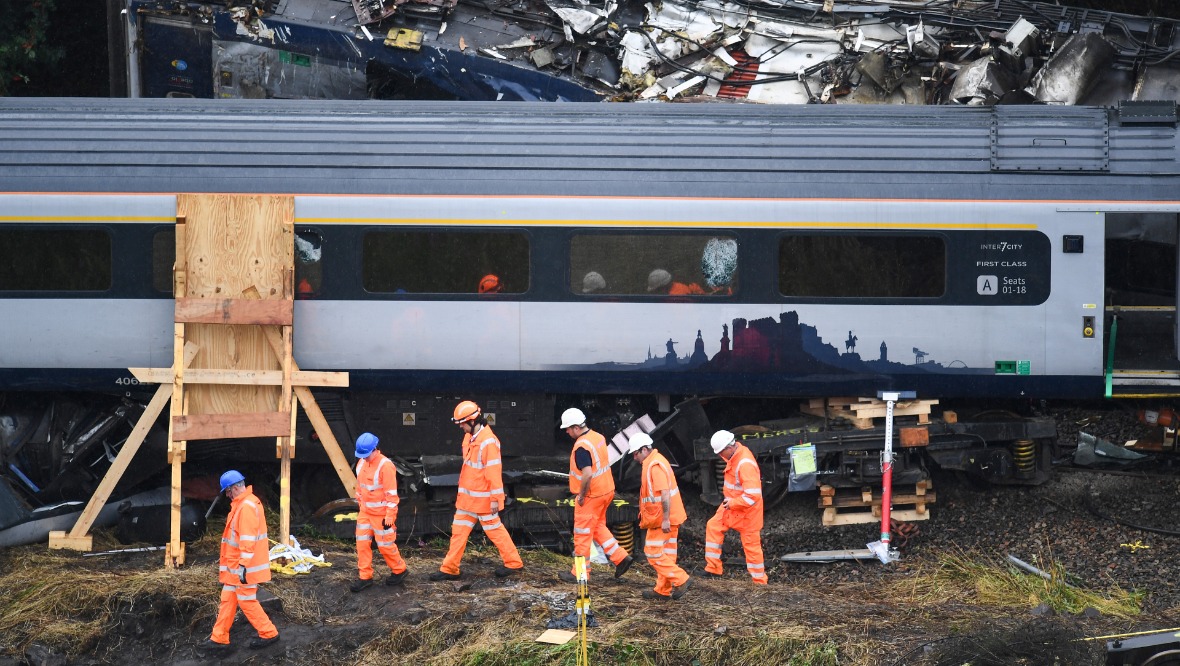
x: 1093, y: 450
x: 571, y: 621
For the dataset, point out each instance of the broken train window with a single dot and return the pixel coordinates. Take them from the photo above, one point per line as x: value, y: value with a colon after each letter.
x: 861, y: 266
x: 309, y: 269
x: 445, y: 262
x: 653, y: 264
x: 55, y: 259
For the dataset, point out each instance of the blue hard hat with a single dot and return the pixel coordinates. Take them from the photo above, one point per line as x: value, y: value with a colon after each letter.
x: 366, y: 444
x: 230, y: 478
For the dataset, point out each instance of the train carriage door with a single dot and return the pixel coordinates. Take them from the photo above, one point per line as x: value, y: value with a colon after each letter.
x: 1142, y: 342
x: 176, y: 58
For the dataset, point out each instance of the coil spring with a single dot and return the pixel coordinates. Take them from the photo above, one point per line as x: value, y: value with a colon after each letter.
x: 625, y: 535
x: 1024, y: 453
x: 719, y: 472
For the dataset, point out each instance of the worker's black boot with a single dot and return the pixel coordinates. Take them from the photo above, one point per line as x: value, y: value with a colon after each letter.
x: 397, y: 578
x: 622, y: 567
x: 259, y: 643
x: 442, y: 575
x: 360, y: 584
x: 504, y: 572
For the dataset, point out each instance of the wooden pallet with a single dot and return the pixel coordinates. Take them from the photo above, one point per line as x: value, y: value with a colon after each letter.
x: 844, y: 507
x: 861, y: 412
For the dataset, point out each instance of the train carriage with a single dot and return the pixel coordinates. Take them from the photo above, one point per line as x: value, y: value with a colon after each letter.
x: 1020, y: 253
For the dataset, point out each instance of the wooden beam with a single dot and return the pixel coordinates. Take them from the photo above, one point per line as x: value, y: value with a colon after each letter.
x: 190, y: 427
x: 328, y: 439
x: 78, y: 535
x: 234, y: 311
x: 242, y: 377
x: 174, y: 552
x: 318, y: 422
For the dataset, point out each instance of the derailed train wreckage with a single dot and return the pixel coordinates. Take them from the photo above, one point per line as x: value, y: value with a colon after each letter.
x: 766, y: 51
x: 995, y: 243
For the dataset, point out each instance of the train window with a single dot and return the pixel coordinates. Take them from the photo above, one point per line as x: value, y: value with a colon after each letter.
x: 653, y: 264
x: 309, y: 270
x: 868, y: 266
x: 309, y: 273
x: 55, y: 260
x: 445, y: 262
x: 163, y: 257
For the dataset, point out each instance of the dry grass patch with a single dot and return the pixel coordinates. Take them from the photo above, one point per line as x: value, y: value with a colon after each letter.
x: 964, y: 578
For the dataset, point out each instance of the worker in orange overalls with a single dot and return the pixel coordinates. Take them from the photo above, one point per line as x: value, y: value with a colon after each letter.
x: 593, y: 486
x: 376, y: 519
x: 244, y: 563
x: 741, y: 508
x: 661, y: 512
x: 481, y: 496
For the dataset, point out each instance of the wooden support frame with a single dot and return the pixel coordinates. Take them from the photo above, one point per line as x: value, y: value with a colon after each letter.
x: 202, y: 308
x: 78, y: 538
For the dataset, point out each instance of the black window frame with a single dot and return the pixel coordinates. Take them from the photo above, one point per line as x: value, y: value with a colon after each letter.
x: 110, y: 268
x: 510, y: 278
x: 946, y: 247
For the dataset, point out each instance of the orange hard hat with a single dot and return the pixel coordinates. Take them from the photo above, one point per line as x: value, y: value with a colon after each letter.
x: 465, y: 411
x: 490, y: 284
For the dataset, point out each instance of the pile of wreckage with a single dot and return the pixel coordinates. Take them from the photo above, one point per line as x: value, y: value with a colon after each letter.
x: 971, y: 52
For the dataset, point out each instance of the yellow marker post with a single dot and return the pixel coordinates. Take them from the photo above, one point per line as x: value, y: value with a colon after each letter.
x: 583, y: 609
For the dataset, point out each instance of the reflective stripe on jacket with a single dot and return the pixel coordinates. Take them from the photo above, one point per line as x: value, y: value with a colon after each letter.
x: 743, y: 480
x: 656, y: 476
x: 480, y: 479
x: 376, y: 486
x: 244, y: 542
x: 601, y: 479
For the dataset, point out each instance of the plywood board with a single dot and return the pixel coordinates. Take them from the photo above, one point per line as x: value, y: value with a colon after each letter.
x: 234, y: 311
x: 233, y: 243
x: 231, y: 426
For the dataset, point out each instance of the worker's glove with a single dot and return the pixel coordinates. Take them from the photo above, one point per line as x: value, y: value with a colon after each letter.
x: 242, y: 574
x: 386, y: 525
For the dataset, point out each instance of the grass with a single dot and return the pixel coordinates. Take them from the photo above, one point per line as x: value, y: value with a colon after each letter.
x: 979, y: 580
x: 87, y: 606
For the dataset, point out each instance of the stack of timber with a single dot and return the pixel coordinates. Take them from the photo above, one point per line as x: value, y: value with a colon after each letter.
x: 864, y: 413
x: 843, y: 507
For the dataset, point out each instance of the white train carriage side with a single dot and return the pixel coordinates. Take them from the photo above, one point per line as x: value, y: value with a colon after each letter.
x: 815, y: 251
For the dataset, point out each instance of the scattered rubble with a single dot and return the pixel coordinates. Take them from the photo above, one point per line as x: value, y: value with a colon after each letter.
x: 972, y: 52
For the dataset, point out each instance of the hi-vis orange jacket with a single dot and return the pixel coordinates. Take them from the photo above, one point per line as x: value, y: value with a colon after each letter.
x: 601, y: 480
x: 743, y: 487
x: 480, y: 479
x: 656, y: 476
x: 244, y: 542
x: 376, y: 486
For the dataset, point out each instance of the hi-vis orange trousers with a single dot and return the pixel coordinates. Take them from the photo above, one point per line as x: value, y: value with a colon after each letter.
x: 461, y: 529
x: 660, y: 549
x: 246, y: 597
x: 715, y: 531
x: 370, y: 528
x: 590, y: 525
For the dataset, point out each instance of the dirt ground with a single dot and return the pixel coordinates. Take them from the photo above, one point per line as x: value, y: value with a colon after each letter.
x: 63, y: 608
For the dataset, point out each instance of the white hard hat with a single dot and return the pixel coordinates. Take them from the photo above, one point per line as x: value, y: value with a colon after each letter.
x: 721, y: 439
x: 592, y: 282
x: 638, y: 441
x: 572, y: 417
x: 658, y: 279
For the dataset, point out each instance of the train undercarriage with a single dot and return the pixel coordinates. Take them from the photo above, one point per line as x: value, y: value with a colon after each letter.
x: 55, y: 449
